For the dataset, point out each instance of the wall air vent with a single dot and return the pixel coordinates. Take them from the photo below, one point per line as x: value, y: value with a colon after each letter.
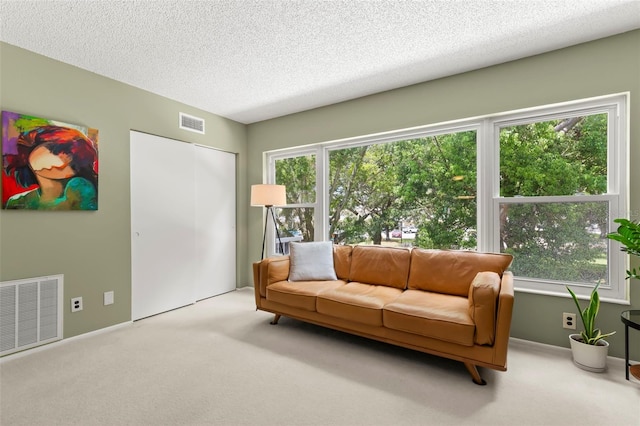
x: 191, y: 123
x: 30, y: 313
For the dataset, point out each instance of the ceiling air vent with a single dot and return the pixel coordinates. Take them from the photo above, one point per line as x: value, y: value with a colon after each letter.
x: 191, y: 123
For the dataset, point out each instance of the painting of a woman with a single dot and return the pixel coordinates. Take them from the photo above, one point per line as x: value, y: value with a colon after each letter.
x: 56, y: 167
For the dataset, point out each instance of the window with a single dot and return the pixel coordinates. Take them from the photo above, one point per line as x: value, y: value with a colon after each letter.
x: 560, y: 179
x: 296, y: 222
x: 542, y: 184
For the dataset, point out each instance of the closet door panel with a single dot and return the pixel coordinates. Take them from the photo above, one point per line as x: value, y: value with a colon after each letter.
x: 215, y: 214
x: 163, y: 249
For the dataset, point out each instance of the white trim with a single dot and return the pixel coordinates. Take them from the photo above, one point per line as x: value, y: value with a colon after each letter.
x: 625, y: 302
x: 556, y: 199
x: 486, y: 182
x: 320, y: 220
x: 52, y: 345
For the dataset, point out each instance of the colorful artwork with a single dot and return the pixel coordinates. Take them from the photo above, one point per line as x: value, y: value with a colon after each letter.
x: 48, y: 165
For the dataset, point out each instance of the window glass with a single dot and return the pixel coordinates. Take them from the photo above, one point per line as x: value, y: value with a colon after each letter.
x: 556, y: 241
x: 296, y: 223
x: 557, y: 157
x: 299, y: 176
x: 416, y: 192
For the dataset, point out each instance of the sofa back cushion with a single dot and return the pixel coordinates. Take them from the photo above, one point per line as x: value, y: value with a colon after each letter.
x: 342, y: 261
x: 380, y: 265
x: 452, y: 271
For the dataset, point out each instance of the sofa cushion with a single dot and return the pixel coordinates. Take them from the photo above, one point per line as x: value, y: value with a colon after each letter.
x: 357, y: 302
x: 483, y: 301
x: 300, y: 294
x: 439, y: 316
x: 452, y: 271
x: 311, y: 261
x: 342, y: 260
x: 386, y: 266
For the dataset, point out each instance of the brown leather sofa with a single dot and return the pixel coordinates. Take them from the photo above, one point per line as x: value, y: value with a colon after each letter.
x: 454, y: 304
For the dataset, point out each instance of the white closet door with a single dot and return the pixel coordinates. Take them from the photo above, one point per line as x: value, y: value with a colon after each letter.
x: 215, y: 222
x: 163, y: 251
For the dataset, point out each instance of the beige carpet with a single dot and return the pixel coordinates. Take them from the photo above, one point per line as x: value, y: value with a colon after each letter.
x: 219, y: 362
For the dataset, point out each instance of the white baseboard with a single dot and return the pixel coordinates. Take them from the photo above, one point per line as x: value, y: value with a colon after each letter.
x: 63, y: 341
x: 557, y: 348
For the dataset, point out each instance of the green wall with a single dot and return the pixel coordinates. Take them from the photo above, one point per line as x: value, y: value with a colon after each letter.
x: 602, y: 67
x: 92, y: 249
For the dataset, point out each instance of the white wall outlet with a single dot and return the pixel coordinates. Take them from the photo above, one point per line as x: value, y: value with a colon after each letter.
x: 76, y: 304
x: 108, y: 298
x: 569, y: 320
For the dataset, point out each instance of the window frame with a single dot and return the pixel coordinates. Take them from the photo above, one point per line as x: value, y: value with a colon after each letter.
x: 615, y: 106
x: 487, y: 130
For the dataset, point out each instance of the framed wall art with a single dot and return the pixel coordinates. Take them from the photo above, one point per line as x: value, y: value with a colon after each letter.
x: 47, y: 164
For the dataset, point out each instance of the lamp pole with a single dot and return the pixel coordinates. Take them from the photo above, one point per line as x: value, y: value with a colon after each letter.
x: 275, y: 224
x: 264, y: 233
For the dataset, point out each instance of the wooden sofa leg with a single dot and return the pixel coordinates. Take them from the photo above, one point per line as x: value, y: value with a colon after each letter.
x: 473, y: 370
x: 275, y: 319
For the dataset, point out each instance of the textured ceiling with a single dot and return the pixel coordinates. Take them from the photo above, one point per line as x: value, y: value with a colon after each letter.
x: 251, y: 60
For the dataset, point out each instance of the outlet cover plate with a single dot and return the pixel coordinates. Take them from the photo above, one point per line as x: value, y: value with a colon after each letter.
x: 76, y: 304
x: 569, y: 320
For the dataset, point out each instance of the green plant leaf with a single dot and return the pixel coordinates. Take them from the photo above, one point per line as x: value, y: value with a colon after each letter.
x: 627, y: 234
x: 590, y: 335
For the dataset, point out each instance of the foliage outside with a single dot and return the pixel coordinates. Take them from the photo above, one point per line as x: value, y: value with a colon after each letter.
x: 427, y: 183
x: 590, y: 335
x: 299, y: 176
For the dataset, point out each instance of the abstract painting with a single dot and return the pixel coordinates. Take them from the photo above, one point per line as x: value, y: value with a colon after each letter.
x: 47, y: 164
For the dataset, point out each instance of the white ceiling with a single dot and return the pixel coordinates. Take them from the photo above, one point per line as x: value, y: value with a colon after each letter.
x: 251, y: 60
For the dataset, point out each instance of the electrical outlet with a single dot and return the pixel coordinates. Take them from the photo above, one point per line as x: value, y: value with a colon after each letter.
x: 76, y: 304
x: 569, y: 320
x: 108, y: 298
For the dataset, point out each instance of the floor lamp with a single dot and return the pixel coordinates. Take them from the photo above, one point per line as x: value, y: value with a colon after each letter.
x: 268, y: 196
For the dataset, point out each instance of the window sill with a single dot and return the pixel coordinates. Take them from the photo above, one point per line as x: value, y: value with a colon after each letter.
x: 565, y: 294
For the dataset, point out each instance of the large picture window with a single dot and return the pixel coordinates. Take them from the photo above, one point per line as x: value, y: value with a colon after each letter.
x: 543, y: 185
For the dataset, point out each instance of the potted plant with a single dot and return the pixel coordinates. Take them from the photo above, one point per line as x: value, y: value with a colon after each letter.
x: 589, y: 348
x: 628, y: 234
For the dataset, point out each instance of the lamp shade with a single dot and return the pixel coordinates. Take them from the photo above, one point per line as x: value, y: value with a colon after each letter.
x: 268, y: 195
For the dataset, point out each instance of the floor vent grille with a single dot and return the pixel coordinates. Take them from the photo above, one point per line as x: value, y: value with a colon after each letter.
x: 30, y: 312
x: 191, y: 123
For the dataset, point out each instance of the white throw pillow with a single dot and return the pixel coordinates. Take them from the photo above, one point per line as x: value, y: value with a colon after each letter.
x: 311, y: 261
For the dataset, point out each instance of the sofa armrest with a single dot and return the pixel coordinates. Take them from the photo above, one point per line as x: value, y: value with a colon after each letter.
x: 269, y: 271
x: 483, y: 303
x: 503, y: 322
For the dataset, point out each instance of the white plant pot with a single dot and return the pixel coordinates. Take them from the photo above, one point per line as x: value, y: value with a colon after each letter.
x: 589, y: 357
